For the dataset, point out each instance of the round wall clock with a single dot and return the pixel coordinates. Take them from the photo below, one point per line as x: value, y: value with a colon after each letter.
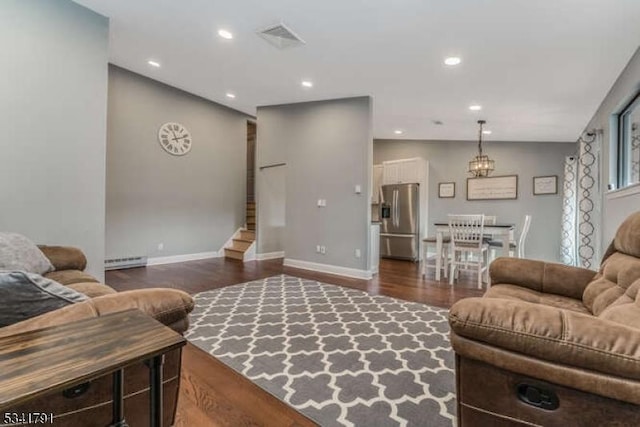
x: 175, y: 139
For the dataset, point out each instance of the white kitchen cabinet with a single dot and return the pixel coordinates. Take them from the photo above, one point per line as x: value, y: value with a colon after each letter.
x: 374, y: 249
x: 411, y: 170
x: 403, y: 171
x: 391, y: 172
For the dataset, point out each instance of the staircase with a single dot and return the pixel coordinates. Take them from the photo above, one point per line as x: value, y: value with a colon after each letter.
x: 240, y: 245
x: 251, y: 216
x: 242, y: 242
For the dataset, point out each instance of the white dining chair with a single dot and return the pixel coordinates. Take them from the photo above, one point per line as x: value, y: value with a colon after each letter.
x: 432, y: 241
x: 468, y: 249
x: 490, y: 219
x: 514, y: 247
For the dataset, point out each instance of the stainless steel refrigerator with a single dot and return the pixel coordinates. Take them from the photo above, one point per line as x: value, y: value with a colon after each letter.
x: 400, y: 216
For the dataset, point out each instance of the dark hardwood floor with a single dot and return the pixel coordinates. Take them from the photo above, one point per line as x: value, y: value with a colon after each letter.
x: 212, y: 394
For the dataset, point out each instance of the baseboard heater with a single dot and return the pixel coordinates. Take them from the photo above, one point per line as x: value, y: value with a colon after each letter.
x: 128, y: 262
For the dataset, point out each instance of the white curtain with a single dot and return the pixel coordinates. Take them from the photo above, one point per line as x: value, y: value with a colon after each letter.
x: 581, y: 204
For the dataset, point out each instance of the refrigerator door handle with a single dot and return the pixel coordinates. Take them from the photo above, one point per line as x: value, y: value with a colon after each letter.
x: 396, y: 213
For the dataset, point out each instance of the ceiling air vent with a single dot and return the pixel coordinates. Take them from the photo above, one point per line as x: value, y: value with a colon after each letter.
x: 281, y: 36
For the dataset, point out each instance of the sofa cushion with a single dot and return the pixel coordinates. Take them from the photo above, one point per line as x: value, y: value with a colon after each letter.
x: 615, y: 279
x: 25, y: 295
x: 65, y: 257
x: 92, y: 289
x: 518, y: 293
x: 168, y: 306
x: 19, y: 253
x: 627, y: 238
x: 69, y: 277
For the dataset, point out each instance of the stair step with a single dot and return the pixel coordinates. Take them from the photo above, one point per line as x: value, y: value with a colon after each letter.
x: 234, y: 254
x: 247, y: 235
x: 251, y: 227
x: 251, y: 205
x: 241, y: 244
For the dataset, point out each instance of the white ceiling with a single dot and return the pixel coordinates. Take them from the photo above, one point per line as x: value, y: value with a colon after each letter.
x: 540, y: 68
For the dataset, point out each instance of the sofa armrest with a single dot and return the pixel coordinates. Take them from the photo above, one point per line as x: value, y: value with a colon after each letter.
x: 541, y: 276
x: 169, y: 306
x: 552, y: 334
x: 65, y: 257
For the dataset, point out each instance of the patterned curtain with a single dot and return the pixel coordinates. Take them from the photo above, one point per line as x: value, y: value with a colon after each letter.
x: 635, y: 153
x: 581, y: 204
x: 589, y: 196
x: 569, y: 209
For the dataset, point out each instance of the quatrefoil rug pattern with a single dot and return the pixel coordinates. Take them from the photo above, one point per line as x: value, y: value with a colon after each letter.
x: 340, y: 356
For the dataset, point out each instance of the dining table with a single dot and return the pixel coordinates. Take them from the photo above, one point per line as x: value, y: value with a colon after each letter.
x: 502, y: 232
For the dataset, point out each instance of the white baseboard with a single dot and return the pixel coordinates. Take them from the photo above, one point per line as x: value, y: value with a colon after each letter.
x: 327, y: 268
x: 269, y: 255
x: 182, y: 258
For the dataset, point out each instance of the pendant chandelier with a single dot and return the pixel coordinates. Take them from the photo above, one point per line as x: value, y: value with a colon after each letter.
x: 481, y: 165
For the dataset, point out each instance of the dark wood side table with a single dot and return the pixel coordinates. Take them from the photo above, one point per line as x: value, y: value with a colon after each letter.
x: 38, y: 362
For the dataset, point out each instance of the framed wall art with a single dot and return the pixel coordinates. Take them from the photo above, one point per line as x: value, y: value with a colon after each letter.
x: 545, y: 185
x: 446, y: 190
x: 493, y: 188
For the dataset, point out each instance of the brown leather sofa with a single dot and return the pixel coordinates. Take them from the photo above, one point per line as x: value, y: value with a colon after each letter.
x: 552, y: 345
x: 90, y: 404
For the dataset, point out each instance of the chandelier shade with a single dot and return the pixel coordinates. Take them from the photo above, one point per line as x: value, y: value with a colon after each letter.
x: 481, y: 165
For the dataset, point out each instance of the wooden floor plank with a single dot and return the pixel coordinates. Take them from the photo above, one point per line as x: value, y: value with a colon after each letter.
x: 213, y: 394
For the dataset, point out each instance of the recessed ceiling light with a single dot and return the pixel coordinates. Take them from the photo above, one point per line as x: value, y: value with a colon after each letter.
x: 398, y: 132
x: 307, y: 83
x: 475, y: 107
x: 225, y: 34
x: 486, y: 132
x: 453, y: 60
x: 153, y: 63
x: 231, y: 95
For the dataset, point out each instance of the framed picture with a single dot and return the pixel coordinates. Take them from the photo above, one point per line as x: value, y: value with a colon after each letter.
x: 545, y: 185
x: 493, y: 188
x: 447, y: 190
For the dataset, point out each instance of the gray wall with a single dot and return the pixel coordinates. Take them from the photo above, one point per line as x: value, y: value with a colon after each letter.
x: 615, y: 207
x: 53, y: 104
x: 191, y: 203
x: 327, y: 147
x: 271, y: 149
x: 448, y: 161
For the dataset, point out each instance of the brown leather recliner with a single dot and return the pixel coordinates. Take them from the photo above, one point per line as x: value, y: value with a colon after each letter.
x: 553, y: 345
x: 90, y: 404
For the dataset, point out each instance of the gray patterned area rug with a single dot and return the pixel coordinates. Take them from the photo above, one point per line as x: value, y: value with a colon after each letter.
x: 339, y: 356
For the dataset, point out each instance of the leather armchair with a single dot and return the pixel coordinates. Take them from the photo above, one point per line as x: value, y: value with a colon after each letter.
x: 553, y: 345
x: 90, y: 405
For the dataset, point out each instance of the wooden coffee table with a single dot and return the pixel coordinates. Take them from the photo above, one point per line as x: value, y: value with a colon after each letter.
x: 43, y: 361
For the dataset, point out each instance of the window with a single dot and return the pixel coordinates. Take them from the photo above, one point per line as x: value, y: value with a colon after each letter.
x: 629, y: 144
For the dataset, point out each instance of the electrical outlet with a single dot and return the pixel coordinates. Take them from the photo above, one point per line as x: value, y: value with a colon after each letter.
x: 358, y: 189
x: 319, y: 202
x: 318, y: 249
x: 358, y: 253
x: 323, y: 250
x: 160, y: 246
